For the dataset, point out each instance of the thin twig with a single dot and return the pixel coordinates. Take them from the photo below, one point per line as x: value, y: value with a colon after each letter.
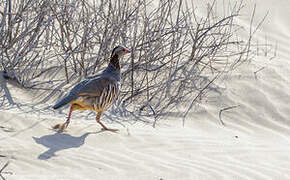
x: 255, y: 73
x: 1, y: 170
x: 154, y: 114
x: 225, y: 109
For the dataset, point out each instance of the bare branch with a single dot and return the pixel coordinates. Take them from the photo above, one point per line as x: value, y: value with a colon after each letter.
x: 225, y: 109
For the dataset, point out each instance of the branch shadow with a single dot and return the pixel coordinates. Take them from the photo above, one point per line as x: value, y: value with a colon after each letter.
x: 60, y: 141
x: 3, y: 86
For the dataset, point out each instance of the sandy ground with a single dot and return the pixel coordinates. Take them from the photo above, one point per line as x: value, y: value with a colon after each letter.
x: 254, y: 144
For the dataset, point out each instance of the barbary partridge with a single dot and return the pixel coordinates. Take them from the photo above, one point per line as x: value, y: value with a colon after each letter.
x: 96, y: 93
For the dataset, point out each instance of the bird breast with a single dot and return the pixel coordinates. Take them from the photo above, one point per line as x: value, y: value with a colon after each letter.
x: 106, y: 97
x: 109, y: 95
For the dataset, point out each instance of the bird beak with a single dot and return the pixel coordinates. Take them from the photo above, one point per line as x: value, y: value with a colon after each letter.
x: 127, y: 50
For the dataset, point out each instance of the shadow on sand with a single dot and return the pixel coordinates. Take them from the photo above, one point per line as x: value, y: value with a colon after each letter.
x: 59, y: 141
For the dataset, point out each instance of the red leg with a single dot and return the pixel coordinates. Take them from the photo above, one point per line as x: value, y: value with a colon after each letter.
x: 104, y: 127
x: 69, y: 116
x: 99, y: 114
x: 62, y: 127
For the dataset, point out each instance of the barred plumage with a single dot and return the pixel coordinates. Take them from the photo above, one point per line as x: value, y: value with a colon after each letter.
x: 96, y: 93
x: 108, y: 96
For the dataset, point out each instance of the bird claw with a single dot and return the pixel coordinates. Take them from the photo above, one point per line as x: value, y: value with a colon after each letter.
x: 108, y: 129
x: 60, y: 127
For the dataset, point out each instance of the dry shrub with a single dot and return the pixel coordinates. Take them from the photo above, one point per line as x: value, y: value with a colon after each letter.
x: 176, y: 55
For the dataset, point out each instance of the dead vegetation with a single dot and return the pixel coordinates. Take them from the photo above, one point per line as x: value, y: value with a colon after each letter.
x: 3, y: 168
x: 176, y: 54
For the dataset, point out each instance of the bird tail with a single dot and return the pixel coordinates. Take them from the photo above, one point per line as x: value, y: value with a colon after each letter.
x: 64, y: 101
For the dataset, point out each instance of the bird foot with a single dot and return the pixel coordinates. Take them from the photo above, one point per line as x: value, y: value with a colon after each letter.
x: 108, y: 129
x: 60, y: 127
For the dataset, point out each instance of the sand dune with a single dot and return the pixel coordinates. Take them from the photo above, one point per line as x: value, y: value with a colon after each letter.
x: 200, y: 150
x: 254, y: 144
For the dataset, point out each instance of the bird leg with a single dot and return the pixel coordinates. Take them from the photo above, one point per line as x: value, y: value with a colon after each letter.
x: 62, y: 126
x: 99, y: 114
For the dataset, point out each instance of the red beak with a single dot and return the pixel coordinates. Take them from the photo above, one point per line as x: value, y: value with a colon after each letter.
x: 127, y: 50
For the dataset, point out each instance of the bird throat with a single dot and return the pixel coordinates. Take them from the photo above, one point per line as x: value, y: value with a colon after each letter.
x: 115, y: 61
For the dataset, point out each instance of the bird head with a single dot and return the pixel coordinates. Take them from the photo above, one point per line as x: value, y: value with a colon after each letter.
x: 120, y: 51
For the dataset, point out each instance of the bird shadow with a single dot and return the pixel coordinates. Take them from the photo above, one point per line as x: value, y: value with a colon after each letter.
x: 60, y: 141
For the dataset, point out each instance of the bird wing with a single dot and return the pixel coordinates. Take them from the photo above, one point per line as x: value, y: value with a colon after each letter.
x: 88, y: 87
x: 95, y: 87
x: 72, y: 94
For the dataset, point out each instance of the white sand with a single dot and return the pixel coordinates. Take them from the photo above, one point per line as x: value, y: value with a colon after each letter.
x: 253, y: 145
